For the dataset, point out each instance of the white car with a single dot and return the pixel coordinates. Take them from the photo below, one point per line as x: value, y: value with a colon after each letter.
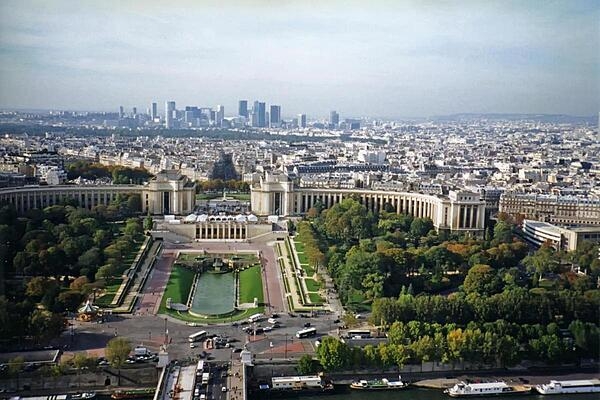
x: 192, y: 346
x: 224, y: 389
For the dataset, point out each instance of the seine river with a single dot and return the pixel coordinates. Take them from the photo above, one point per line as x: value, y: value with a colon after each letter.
x: 428, y: 394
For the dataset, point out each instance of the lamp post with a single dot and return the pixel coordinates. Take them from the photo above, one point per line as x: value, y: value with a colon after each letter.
x: 166, y: 334
x: 285, y: 354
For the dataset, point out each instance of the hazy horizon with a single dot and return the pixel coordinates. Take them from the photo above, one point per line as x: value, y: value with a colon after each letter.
x: 403, y: 59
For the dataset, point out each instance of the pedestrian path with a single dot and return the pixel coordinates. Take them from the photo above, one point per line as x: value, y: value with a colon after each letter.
x: 139, y: 279
x: 236, y: 382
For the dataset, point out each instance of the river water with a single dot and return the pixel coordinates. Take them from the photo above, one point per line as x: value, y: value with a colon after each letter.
x: 430, y: 394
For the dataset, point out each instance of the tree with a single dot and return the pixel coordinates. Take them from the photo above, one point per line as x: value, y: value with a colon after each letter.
x: 117, y: 351
x: 503, y: 232
x: 106, y: 272
x: 348, y: 220
x: 134, y: 203
x: 306, y: 365
x: 133, y: 227
x: 419, y: 227
x: 373, y: 284
x: 482, y: 279
x: 82, y: 361
x: 333, y: 354
x: 39, y: 286
x: 79, y: 283
x: 15, y: 365
x: 148, y: 223
x: 90, y: 259
x: 70, y: 299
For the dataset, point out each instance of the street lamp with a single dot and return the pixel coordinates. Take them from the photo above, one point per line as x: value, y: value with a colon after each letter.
x: 166, y: 333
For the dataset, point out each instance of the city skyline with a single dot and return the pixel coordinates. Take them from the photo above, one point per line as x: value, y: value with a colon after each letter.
x: 386, y: 60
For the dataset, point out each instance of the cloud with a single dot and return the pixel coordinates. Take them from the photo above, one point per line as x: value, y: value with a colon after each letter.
x: 387, y: 58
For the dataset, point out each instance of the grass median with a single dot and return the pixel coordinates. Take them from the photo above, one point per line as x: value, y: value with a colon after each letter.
x: 250, y: 281
x: 178, y: 287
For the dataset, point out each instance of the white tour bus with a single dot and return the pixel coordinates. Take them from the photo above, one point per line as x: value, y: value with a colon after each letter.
x: 255, y: 317
x: 304, y: 333
x: 197, y: 336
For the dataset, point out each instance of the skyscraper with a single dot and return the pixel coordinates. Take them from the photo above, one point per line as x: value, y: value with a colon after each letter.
x: 169, y: 111
x: 334, y: 119
x: 154, y: 111
x: 262, y: 116
x: 301, y: 120
x: 220, y: 115
x: 134, y: 111
x: 259, y: 117
x: 243, y: 108
x: 121, y: 112
x: 275, y: 116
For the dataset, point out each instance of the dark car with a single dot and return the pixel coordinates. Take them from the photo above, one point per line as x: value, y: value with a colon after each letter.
x: 307, y: 325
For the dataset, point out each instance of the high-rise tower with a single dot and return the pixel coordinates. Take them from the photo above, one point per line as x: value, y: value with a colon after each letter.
x: 275, y: 116
x: 220, y: 115
x: 301, y: 120
x: 243, y: 108
x: 169, y: 111
x: 334, y: 119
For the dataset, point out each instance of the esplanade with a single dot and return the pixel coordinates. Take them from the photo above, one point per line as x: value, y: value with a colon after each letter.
x: 168, y: 192
x: 274, y: 193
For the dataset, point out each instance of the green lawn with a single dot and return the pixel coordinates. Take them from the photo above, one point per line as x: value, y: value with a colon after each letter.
x: 299, y: 246
x: 239, y: 196
x: 303, y: 259
x: 250, y: 281
x: 315, y: 298
x: 129, y: 256
x: 178, y: 287
x: 312, y: 285
x: 208, y: 196
x: 109, y: 293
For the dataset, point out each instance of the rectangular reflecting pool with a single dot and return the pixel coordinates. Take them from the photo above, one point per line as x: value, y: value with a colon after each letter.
x: 215, y: 294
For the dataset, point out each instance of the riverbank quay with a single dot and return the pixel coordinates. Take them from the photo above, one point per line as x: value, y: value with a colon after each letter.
x: 445, y: 383
x: 108, y: 378
x: 438, y: 379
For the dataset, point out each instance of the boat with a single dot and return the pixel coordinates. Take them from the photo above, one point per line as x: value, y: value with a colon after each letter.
x: 501, y: 388
x: 72, y: 396
x: 282, y: 386
x: 133, y: 393
x: 379, y: 384
x: 82, y: 396
x: 569, y: 387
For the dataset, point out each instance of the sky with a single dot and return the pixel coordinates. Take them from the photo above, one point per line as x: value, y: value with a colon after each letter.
x: 361, y: 58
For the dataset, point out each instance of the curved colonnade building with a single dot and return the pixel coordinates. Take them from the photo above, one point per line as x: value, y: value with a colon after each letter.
x: 167, y: 193
x: 276, y: 194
